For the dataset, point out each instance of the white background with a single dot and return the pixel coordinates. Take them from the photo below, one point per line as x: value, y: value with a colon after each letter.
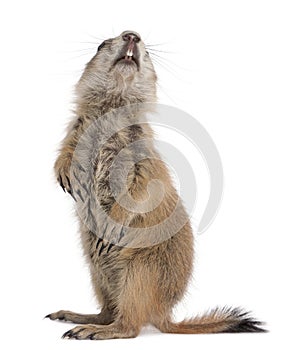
x: 230, y: 64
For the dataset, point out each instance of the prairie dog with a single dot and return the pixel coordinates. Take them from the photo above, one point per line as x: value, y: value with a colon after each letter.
x: 138, y: 272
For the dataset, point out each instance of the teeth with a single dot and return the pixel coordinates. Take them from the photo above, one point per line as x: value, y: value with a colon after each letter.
x: 129, y: 53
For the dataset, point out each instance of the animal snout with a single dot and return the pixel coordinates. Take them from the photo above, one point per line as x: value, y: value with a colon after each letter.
x: 131, y: 36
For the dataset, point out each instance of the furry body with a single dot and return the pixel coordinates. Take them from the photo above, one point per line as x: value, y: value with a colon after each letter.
x: 138, y: 275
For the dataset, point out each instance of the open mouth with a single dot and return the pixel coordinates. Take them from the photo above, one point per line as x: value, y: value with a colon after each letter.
x: 128, y: 60
x: 129, y: 56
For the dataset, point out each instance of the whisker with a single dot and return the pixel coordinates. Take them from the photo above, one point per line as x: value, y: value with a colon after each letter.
x: 162, y: 51
x: 157, y: 55
x: 89, y: 49
x: 163, y: 61
x: 157, y: 61
x: 159, y: 44
x: 87, y: 42
x: 78, y: 56
x: 70, y: 72
x: 95, y: 37
x: 167, y: 61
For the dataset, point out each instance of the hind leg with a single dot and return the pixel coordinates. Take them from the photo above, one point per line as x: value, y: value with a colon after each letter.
x: 135, y: 305
x: 105, y: 317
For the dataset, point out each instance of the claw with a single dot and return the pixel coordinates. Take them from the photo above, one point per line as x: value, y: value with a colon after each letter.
x: 61, y: 183
x: 98, y: 242
x: 68, y: 180
x: 70, y: 189
x: 102, y: 247
x: 72, y: 195
x: 110, y: 247
x: 67, y: 335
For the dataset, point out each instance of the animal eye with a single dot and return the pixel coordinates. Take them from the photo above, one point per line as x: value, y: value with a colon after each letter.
x: 101, y: 46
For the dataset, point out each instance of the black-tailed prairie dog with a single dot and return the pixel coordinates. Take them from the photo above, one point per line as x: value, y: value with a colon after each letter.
x: 139, y: 267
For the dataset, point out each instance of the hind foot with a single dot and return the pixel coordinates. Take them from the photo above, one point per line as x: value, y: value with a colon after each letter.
x: 93, y: 332
x: 104, y: 318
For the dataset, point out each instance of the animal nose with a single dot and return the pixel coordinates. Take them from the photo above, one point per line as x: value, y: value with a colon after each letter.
x: 131, y: 36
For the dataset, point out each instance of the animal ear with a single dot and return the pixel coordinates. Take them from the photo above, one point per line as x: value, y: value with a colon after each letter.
x: 101, y: 46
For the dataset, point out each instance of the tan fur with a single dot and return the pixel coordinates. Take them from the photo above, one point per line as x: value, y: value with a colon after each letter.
x: 141, y: 279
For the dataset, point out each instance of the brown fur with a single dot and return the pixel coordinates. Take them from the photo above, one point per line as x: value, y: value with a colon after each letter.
x: 140, y: 280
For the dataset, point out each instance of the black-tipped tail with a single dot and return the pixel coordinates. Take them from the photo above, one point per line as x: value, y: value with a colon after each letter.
x: 219, y: 320
x: 244, y: 323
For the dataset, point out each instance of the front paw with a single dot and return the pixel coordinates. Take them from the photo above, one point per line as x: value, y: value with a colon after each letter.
x: 60, y: 315
x: 62, y: 171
